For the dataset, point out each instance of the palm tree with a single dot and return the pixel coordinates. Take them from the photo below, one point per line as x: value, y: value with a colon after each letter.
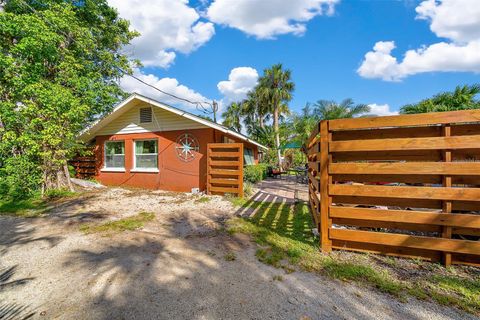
x: 256, y: 108
x: 329, y: 110
x: 303, y: 123
x: 461, y: 98
x: 275, y: 89
x: 232, y: 116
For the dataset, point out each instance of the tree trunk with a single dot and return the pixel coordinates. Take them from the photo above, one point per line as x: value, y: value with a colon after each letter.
x: 261, y: 123
x: 277, y: 135
x: 56, y: 177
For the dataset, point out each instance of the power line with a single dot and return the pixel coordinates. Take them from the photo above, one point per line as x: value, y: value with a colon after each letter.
x: 198, y: 104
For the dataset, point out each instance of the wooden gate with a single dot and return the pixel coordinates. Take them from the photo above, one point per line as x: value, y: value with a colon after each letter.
x: 225, y: 168
x: 405, y: 185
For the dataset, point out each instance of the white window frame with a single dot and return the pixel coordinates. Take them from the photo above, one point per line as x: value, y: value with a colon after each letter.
x: 135, y: 169
x: 112, y: 169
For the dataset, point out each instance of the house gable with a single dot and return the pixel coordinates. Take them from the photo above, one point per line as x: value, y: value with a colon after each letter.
x: 125, y: 119
x: 162, y: 120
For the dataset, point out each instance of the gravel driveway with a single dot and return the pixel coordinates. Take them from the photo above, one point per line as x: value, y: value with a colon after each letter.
x: 173, y: 268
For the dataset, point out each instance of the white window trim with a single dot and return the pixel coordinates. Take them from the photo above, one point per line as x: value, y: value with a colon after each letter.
x: 135, y: 169
x: 112, y: 169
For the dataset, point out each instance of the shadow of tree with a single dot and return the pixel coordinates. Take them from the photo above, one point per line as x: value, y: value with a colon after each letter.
x: 11, y: 311
x: 286, y: 218
x: 5, y: 279
x: 17, y: 231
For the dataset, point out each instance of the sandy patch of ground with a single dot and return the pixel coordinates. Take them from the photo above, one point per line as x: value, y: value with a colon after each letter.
x: 173, y: 268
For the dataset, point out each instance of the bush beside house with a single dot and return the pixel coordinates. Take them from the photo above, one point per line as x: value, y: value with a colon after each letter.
x: 255, y: 173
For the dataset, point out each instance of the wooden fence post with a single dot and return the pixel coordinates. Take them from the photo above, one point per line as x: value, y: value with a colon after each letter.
x: 240, y: 168
x: 447, y: 205
x: 325, y: 180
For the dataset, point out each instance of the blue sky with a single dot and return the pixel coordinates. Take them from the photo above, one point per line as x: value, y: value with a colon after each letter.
x: 324, y: 52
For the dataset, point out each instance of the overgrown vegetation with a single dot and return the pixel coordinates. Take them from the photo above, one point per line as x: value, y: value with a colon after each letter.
x: 126, y: 224
x: 27, y: 208
x: 59, y: 66
x: 283, y: 234
x: 202, y: 200
x: 33, y: 206
x: 255, y: 173
x: 462, y: 98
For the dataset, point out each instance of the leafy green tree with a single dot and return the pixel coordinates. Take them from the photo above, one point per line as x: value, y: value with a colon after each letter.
x: 275, y: 89
x: 302, y: 124
x: 462, y: 98
x: 329, y: 110
x: 60, y: 63
x: 232, y: 116
x: 263, y: 135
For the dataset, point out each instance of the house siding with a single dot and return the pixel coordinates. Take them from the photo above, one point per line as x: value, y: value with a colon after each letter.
x: 129, y: 122
x: 173, y: 175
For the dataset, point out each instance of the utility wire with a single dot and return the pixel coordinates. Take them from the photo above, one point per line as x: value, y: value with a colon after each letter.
x: 198, y: 104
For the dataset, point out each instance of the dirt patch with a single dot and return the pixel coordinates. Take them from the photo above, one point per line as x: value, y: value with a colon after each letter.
x: 179, y: 265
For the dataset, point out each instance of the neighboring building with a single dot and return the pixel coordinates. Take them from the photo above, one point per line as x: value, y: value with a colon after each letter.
x: 145, y: 143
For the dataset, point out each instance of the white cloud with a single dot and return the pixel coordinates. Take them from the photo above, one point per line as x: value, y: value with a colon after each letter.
x: 166, y: 26
x: 170, y: 85
x: 457, y: 20
x: 240, y: 81
x: 381, y: 110
x: 268, y: 18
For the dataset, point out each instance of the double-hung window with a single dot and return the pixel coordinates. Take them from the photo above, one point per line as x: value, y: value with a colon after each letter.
x: 115, y: 155
x: 146, y: 155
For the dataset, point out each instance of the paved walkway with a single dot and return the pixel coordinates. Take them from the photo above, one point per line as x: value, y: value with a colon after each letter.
x: 285, y: 189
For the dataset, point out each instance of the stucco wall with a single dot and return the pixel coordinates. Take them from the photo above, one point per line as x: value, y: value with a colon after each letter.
x: 174, y: 174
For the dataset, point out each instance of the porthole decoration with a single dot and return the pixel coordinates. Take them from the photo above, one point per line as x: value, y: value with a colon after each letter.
x: 186, y: 147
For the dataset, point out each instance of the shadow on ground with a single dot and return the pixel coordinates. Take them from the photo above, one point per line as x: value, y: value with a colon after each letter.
x: 11, y: 311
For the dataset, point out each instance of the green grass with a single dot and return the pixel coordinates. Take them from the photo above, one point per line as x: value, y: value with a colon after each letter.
x: 202, y: 200
x: 236, y: 201
x: 447, y: 290
x: 125, y: 224
x: 230, y: 256
x: 26, y: 208
x: 34, y: 206
x: 284, y: 238
x: 59, y: 193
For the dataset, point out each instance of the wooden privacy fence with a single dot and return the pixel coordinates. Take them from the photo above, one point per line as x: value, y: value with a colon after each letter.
x: 225, y: 168
x: 405, y: 185
x: 84, y: 166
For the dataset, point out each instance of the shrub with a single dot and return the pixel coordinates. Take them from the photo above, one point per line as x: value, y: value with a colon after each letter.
x: 20, y: 178
x: 247, y: 188
x: 254, y: 173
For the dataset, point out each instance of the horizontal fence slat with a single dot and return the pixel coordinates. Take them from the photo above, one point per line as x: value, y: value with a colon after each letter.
x: 224, y: 181
x: 314, y: 133
x: 224, y: 189
x: 433, y: 143
x: 407, y: 216
x: 433, y: 118
x: 415, y: 168
x: 223, y: 146
x: 432, y: 256
x: 358, y: 223
x: 224, y: 154
x: 314, y: 182
x: 225, y: 172
x: 417, y: 242
x: 432, y: 193
x: 225, y: 163
x: 405, y: 178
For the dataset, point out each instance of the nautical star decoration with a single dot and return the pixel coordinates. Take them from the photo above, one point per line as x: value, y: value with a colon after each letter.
x: 187, y: 146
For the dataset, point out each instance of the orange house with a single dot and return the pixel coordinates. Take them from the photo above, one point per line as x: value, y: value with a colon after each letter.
x: 145, y: 143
